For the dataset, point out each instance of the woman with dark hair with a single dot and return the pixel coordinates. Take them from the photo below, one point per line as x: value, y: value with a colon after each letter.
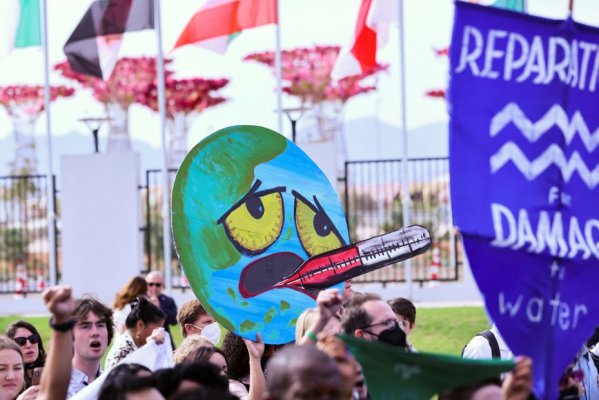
x: 30, y: 342
x: 129, y: 381
x: 246, y: 377
x: 144, y: 323
x: 136, y: 287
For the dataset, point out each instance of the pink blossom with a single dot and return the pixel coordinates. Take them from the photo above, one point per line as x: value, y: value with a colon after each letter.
x: 29, y: 99
x: 307, y: 74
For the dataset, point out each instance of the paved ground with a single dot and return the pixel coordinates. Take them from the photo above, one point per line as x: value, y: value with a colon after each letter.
x: 445, y: 294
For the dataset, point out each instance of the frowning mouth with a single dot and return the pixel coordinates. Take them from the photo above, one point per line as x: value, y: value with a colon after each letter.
x: 261, y: 275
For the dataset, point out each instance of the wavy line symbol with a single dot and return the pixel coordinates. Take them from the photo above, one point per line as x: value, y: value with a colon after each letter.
x: 552, y: 156
x: 555, y: 116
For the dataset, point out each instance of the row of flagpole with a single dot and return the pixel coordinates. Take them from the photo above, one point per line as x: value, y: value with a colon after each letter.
x: 50, y: 172
x: 161, y: 87
x: 162, y: 114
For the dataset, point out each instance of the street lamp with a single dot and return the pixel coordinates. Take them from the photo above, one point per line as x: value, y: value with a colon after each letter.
x: 94, y: 124
x: 294, y: 115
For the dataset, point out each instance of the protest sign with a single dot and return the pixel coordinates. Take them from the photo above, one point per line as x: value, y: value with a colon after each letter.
x: 524, y: 164
x: 248, y: 208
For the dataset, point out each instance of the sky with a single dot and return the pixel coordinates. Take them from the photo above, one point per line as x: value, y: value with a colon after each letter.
x: 251, y: 91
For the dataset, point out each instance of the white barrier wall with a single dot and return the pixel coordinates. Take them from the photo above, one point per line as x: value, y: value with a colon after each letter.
x: 101, y: 216
x: 324, y: 154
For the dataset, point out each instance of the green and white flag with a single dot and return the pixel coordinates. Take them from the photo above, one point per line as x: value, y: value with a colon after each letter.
x: 20, y: 25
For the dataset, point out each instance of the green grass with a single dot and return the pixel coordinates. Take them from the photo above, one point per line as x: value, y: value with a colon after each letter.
x: 438, y: 330
x: 447, y: 330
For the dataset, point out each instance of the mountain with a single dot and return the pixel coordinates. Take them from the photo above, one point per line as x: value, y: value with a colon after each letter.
x: 73, y: 143
x: 365, y: 140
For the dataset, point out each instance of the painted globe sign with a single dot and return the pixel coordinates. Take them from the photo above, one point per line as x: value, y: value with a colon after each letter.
x: 248, y: 207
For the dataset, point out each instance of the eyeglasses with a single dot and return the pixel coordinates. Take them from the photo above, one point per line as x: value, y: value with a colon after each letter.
x: 154, y: 284
x: 388, y: 323
x: 33, y: 339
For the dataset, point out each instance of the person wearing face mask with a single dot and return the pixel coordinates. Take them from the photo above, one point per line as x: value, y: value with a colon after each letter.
x: 368, y: 317
x: 193, y: 318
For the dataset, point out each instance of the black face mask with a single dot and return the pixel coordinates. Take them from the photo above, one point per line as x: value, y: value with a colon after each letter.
x: 394, y: 336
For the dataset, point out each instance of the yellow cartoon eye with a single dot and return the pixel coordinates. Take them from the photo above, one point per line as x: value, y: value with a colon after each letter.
x: 314, y: 227
x: 256, y: 221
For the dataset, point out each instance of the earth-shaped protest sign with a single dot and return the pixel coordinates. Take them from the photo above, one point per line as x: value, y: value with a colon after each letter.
x: 259, y: 230
x: 244, y: 202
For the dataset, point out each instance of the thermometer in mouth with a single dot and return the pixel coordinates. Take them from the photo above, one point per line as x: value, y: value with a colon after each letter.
x: 327, y: 269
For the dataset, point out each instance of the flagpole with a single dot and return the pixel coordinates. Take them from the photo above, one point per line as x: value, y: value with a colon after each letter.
x: 51, y: 215
x: 405, y: 184
x: 278, y: 71
x: 166, y: 207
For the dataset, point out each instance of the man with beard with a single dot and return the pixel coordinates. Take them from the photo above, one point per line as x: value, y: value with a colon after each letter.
x: 92, y: 332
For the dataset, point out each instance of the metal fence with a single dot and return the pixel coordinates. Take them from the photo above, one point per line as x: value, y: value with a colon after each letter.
x: 153, y: 233
x: 24, y: 245
x: 373, y: 199
x: 372, y: 196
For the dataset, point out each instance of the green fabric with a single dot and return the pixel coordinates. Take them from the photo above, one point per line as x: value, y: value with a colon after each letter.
x: 393, y: 373
x: 514, y: 5
x: 28, y: 30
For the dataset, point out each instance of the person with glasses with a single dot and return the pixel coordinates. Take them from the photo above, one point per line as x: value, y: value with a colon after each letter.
x: 368, y: 317
x: 166, y: 303
x: 193, y: 318
x: 30, y: 342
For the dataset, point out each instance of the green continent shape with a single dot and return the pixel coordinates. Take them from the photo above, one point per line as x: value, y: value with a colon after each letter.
x: 215, y: 174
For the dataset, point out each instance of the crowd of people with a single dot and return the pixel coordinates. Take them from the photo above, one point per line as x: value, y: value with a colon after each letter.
x: 317, y: 366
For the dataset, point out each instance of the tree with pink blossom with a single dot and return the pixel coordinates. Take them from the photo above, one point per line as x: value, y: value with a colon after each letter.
x: 306, y: 75
x: 185, y: 99
x: 129, y: 80
x: 24, y: 104
x: 134, y: 81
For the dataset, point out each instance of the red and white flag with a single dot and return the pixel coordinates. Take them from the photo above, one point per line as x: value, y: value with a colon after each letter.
x: 372, y: 28
x: 217, y: 22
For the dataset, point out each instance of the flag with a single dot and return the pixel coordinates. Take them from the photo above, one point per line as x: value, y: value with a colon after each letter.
x: 514, y: 5
x: 371, y: 32
x: 21, y: 24
x: 217, y: 22
x: 393, y: 373
x: 93, y: 46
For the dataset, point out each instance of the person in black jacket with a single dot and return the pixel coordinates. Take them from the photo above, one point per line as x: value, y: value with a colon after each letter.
x: 166, y: 303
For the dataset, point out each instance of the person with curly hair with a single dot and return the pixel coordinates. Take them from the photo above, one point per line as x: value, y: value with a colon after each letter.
x: 246, y: 377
